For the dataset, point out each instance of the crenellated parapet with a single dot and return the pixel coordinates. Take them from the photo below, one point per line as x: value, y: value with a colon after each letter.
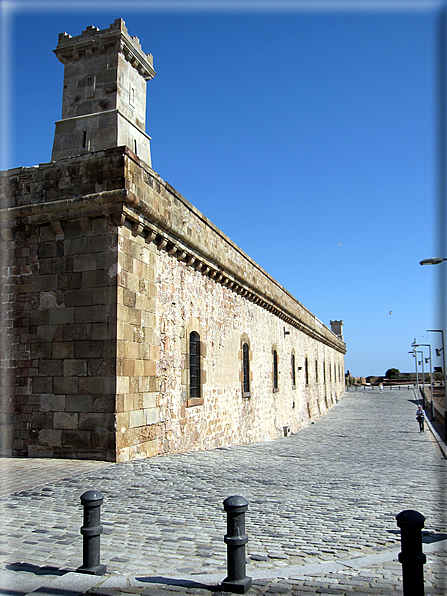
x: 100, y: 41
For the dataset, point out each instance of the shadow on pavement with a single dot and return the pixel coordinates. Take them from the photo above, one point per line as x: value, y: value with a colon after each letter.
x: 47, y: 570
x: 427, y: 536
x: 185, y: 583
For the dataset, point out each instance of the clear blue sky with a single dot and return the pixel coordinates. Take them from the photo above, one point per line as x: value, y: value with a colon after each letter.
x: 307, y: 136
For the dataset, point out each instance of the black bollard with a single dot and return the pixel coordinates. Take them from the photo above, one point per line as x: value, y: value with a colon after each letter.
x: 91, y: 531
x: 412, y: 558
x: 236, y: 539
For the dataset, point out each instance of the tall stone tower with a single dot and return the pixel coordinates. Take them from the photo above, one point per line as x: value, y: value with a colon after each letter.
x: 104, y: 97
x: 337, y: 328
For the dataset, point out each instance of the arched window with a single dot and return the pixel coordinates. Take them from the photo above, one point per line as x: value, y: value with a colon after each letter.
x: 306, y: 368
x: 246, y: 367
x: 275, y: 370
x: 194, y: 364
x: 293, y: 371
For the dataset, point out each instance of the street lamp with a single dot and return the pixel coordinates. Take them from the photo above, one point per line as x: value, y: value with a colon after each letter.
x: 443, y: 377
x: 428, y: 360
x: 413, y: 351
x: 432, y: 261
x: 423, y: 374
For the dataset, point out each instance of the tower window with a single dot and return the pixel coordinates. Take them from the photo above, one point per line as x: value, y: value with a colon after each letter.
x: 89, y: 86
x: 316, y: 371
x: 293, y: 371
x: 306, y: 368
x: 132, y: 95
x: 194, y: 364
x: 84, y: 138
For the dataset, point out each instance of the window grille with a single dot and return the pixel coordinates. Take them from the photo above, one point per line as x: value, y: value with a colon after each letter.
x: 246, y: 367
x: 194, y: 364
x: 275, y: 370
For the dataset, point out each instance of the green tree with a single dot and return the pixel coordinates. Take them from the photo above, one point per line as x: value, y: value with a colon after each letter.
x: 392, y: 373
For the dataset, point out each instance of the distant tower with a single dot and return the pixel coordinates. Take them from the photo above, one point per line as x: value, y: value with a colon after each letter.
x: 104, y: 99
x: 337, y: 328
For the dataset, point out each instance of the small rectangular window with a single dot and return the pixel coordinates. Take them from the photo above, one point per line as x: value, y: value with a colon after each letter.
x: 89, y: 86
x: 132, y: 95
x: 194, y: 364
x: 275, y: 370
x: 246, y: 368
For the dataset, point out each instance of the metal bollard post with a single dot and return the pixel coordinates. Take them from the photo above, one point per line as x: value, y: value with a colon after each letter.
x: 236, y: 539
x: 91, y: 531
x: 412, y: 558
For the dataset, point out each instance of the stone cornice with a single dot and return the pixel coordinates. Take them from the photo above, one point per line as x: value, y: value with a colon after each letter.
x: 113, y: 111
x: 217, y: 257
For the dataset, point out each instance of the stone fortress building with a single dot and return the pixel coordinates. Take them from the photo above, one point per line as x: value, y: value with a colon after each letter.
x: 132, y: 326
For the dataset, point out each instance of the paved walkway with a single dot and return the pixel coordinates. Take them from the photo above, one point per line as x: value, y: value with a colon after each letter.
x: 321, y: 518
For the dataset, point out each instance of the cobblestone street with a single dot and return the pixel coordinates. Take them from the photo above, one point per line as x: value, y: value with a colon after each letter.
x: 321, y: 517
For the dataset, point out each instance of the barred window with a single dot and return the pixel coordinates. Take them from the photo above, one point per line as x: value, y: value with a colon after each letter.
x: 194, y: 364
x: 275, y: 370
x: 246, y: 367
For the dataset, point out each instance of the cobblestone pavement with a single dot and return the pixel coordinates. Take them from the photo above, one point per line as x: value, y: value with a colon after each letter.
x: 321, y: 518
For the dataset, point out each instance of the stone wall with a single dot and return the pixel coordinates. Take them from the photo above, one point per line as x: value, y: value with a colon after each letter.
x: 109, y: 270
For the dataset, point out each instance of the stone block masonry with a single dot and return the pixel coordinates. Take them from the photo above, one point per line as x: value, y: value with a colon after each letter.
x: 131, y: 325
x: 107, y: 276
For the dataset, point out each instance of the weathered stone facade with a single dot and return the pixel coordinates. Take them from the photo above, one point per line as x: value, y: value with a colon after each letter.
x: 110, y: 271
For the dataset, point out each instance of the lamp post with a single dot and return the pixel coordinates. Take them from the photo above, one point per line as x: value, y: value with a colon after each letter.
x: 423, y: 374
x: 413, y: 351
x: 443, y: 377
x: 432, y: 415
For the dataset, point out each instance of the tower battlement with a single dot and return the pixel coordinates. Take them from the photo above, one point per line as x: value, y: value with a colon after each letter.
x: 93, y: 40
